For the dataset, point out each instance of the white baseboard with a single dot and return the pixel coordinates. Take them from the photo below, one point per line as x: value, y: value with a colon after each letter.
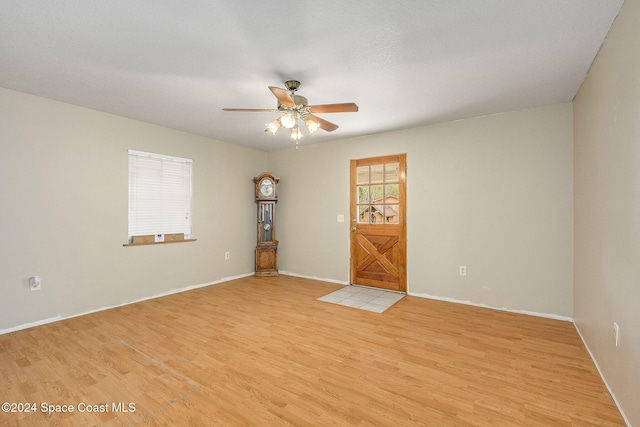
x: 171, y: 292
x: 595, y: 362
x: 529, y: 313
x: 288, y: 273
x: 32, y: 324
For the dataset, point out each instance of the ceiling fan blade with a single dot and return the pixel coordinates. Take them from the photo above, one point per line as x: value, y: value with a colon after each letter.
x: 347, y: 107
x: 282, y: 95
x: 251, y: 110
x: 325, y: 125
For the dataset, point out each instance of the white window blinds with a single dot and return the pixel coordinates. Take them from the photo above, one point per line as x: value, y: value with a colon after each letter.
x: 159, y: 194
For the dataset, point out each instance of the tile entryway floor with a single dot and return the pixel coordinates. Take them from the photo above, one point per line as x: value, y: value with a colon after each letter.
x: 376, y: 300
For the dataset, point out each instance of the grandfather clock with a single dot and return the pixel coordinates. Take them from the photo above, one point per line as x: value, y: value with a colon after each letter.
x: 267, y: 248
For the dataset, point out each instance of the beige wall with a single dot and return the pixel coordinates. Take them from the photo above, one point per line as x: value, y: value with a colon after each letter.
x: 63, y: 211
x: 607, y: 209
x: 492, y: 193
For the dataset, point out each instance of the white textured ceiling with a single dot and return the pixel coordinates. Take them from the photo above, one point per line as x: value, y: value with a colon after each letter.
x: 405, y: 63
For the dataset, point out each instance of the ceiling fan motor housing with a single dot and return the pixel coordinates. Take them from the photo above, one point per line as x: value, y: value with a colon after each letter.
x: 292, y: 85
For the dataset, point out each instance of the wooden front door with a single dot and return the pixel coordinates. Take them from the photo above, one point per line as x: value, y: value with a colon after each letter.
x: 378, y: 222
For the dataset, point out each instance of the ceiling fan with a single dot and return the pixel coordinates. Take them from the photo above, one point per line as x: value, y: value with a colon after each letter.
x: 295, y: 107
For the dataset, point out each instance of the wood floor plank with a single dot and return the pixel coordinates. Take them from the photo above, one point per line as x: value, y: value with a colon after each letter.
x: 264, y: 351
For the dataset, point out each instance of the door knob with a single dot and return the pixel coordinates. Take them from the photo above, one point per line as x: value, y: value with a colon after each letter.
x: 353, y: 228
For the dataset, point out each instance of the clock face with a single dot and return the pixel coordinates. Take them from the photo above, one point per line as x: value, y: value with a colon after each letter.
x: 266, y: 188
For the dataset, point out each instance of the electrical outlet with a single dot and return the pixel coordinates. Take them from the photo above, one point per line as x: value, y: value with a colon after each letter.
x: 616, y: 334
x: 227, y: 255
x: 463, y: 270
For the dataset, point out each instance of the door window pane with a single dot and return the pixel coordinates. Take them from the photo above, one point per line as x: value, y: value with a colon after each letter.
x: 375, y: 215
x: 391, y: 193
x: 363, y: 214
x: 377, y: 195
x: 391, y: 172
x: 362, y: 175
x: 377, y: 174
x: 363, y: 194
x: 391, y: 213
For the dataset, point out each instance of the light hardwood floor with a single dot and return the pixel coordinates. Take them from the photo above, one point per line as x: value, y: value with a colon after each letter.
x: 264, y: 351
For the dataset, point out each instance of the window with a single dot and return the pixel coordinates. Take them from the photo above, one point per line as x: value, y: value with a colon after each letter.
x: 378, y: 198
x: 159, y: 194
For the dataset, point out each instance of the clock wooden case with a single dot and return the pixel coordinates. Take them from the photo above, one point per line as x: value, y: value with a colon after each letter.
x: 266, y: 188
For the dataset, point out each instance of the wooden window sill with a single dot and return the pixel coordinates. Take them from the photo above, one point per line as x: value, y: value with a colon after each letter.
x: 159, y: 243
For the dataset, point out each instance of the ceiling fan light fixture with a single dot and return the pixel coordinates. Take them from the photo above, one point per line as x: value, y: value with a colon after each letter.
x: 272, y: 127
x: 296, y: 134
x: 312, y: 125
x: 288, y: 120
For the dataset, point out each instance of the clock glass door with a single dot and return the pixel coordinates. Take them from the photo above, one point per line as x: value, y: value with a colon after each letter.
x: 266, y: 230
x: 378, y: 229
